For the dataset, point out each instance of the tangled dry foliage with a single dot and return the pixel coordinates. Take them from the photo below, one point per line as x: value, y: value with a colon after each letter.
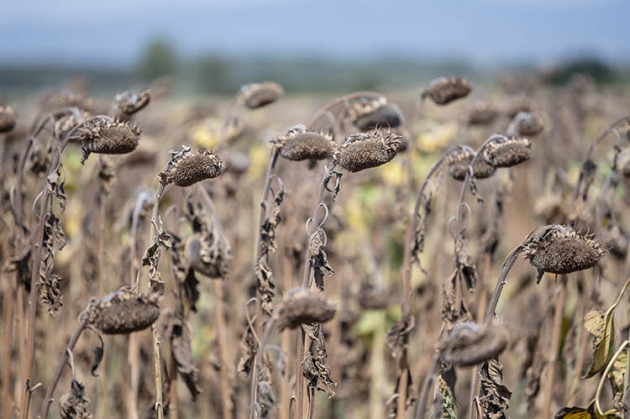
x: 273, y: 256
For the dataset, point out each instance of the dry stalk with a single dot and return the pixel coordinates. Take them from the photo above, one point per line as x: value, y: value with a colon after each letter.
x: 35, y: 282
x: 48, y: 398
x: 555, y: 345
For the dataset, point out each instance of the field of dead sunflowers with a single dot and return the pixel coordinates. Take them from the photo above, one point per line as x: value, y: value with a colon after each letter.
x: 447, y: 251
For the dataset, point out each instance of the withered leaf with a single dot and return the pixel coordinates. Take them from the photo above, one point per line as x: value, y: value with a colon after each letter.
x: 616, y: 377
x: 391, y: 406
x: 54, y: 241
x: 99, y: 352
x: 448, y: 400
x: 495, y: 396
x: 396, y: 337
x: 248, y: 348
x: 602, y: 326
x: 151, y: 259
x: 179, y: 334
x: 319, y: 259
x: 74, y: 405
x: 316, y: 369
x: 585, y: 413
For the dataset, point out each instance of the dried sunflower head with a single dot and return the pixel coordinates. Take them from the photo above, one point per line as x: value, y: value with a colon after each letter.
x: 470, y: 343
x: 376, y: 113
x: 7, y: 118
x: 187, y: 167
x: 301, y: 306
x: 559, y: 249
x: 529, y: 123
x: 482, y: 113
x: 101, y: 136
x: 366, y: 150
x: 301, y: 144
x: 257, y: 95
x: 520, y: 104
x: 206, y: 259
x: 66, y: 123
x: 460, y: 159
x: 128, y: 102
x: 507, y: 152
x: 443, y: 91
x: 69, y: 99
x: 124, y: 312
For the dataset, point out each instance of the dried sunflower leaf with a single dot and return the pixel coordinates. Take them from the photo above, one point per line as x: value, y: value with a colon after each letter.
x: 585, y: 413
x: 397, y: 336
x: 448, y: 400
x: 602, y: 326
x: 99, y: 352
x: 74, y: 405
x: 495, y: 395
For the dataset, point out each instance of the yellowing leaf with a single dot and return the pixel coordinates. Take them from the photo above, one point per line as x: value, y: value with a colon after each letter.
x: 617, y: 375
x: 394, y: 173
x: 204, y: 137
x: 437, y: 137
x: 259, y: 158
x: 585, y: 413
x: 602, y: 327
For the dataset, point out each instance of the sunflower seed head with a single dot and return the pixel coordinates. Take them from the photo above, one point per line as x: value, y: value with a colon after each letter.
x: 108, y: 137
x: 482, y: 113
x: 377, y: 113
x: 443, y: 91
x: 67, y: 122
x: 69, y: 99
x: 124, y: 312
x: 559, y: 249
x: 7, y: 118
x: 521, y: 104
x: 366, y: 150
x: 301, y: 306
x: 187, y: 167
x: 128, y: 102
x: 470, y: 344
x: 529, y: 124
x: 507, y: 152
x: 301, y: 144
x: 460, y: 159
x: 257, y: 95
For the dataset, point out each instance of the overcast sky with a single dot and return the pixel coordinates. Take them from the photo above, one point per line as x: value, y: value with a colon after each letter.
x: 114, y: 32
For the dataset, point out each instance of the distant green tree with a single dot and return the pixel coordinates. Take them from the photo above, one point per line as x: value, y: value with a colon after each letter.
x: 599, y: 70
x: 212, y: 74
x: 159, y: 59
